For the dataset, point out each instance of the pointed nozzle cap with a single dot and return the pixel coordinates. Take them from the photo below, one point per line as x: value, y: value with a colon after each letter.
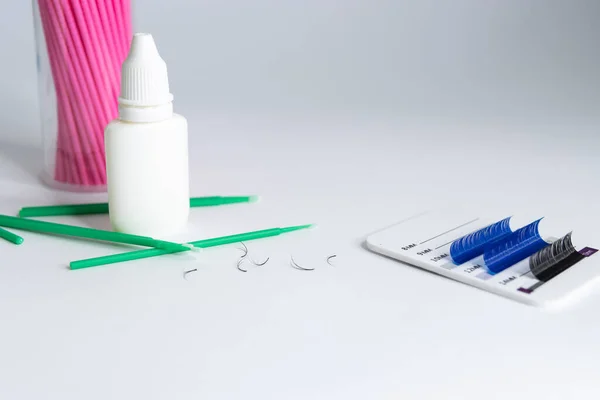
x: 144, y: 79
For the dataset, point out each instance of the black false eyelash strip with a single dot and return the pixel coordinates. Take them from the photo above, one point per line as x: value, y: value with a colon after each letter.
x: 554, y: 259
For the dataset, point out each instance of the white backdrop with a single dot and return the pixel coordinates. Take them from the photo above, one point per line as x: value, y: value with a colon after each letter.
x: 351, y: 114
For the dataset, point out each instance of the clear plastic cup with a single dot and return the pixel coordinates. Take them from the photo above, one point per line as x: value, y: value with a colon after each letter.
x: 80, y: 48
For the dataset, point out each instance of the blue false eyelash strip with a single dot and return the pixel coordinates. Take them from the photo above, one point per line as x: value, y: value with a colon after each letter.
x: 473, y: 245
x: 517, y: 246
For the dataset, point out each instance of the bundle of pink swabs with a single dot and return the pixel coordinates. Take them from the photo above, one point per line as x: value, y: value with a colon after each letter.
x: 87, y: 41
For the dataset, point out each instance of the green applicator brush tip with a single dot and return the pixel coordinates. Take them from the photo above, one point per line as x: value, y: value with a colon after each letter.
x: 220, y: 200
x: 253, y: 199
x: 191, y: 247
x: 297, y: 228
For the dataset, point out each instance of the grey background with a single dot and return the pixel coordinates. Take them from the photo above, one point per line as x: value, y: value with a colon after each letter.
x: 468, y: 59
x: 464, y: 58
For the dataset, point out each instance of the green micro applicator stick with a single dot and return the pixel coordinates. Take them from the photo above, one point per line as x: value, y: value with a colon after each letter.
x: 88, y: 233
x: 219, y: 241
x: 102, y: 208
x: 11, y: 237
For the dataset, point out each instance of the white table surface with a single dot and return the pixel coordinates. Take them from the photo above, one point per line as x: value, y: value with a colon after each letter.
x: 352, y: 149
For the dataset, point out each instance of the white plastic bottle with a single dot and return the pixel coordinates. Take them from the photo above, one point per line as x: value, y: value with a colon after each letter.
x: 147, y: 149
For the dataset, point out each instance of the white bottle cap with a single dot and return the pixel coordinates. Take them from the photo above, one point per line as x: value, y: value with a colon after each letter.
x: 145, y: 95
